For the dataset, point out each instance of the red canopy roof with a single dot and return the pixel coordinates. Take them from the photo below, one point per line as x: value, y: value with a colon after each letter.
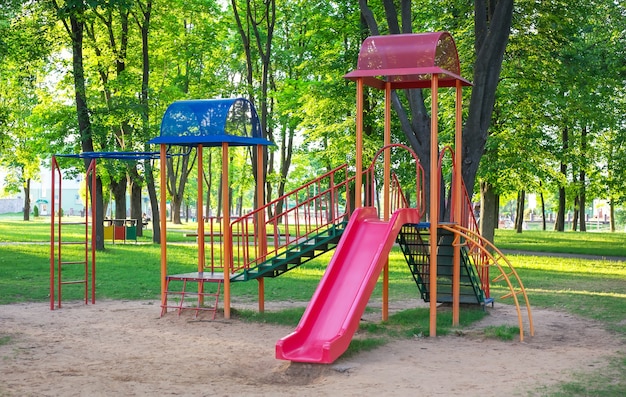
x: 408, y: 61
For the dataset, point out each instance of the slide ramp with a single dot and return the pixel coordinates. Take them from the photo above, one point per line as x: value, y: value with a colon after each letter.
x: 332, y: 317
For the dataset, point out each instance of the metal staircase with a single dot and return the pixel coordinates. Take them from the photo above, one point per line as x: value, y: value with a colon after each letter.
x: 295, y: 255
x: 413, y: 240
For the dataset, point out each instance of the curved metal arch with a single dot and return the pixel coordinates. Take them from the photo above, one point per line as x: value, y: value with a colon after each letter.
x: 487, y: 249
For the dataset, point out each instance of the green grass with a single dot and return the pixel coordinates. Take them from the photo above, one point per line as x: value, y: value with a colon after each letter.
x: 592, y: 288
x: 590, y: 243
x: 5, y: 340
x: 501, y: 332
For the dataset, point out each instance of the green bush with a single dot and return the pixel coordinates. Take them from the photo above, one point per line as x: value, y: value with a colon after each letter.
x: 35, y: 211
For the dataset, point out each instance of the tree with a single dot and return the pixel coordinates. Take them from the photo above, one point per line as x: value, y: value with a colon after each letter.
x: 492, y: 22
x: 256, y: 29
x: 142, y: 16
x: 72, y: 15
x: 23, y: 53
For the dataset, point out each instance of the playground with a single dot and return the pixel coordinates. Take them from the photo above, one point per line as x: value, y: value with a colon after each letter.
x: 124, y: 348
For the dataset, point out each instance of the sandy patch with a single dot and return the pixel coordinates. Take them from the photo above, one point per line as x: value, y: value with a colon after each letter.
x: 125, y: 348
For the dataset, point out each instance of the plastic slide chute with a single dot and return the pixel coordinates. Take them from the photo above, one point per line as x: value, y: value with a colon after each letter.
x: 332, y: 317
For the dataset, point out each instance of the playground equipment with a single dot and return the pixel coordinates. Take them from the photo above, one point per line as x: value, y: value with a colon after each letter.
x: 448, y: 259
x: 210, y: 123
x: 395, y: 62
x: 59, y: 258
x: 85, y: 257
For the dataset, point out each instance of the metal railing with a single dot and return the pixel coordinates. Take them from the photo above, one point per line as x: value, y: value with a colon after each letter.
x: 298, y: 216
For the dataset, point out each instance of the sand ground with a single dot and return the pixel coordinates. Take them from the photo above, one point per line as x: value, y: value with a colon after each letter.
x: 126, y: 348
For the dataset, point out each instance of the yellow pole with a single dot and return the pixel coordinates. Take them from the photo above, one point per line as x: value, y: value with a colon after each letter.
x: 260, y: 226
x: 434, y: 203
x: 227, y: 237
x: 386, y: 193
x: 359, y: 144
x: 163, y: 220
x: 456, y: 206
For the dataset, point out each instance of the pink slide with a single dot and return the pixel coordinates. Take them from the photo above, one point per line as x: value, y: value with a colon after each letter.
x: 332, y: 317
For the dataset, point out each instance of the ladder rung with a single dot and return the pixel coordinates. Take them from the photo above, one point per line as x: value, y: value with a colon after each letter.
x: 183, y: 293
x: 74, y: 282
x: 72, y: 223
x: 73, y: 242
x: 501, y: 277
x: 73, y: 263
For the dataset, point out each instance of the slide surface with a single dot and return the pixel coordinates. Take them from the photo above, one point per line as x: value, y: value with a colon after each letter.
x: 332, y: 317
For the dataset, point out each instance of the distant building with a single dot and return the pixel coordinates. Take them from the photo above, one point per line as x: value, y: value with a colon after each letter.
x: 40, y: 195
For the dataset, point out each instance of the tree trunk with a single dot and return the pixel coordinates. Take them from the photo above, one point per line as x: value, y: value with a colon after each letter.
x: 26, y: 209
x: 286, y: 152
x: 219, y: 196
x: 154, y: 204
x: 256, y: 17
x: 583, y: 180
x: 488, y: 211
x: 519, y: 215
x: 175, y: 206
x: 576, y: 214
x: 136, y: 211
x: 559, y: 225
x: 492, y: 25
x: 543, y: 211
x: 76, y: 31
x: 612, y: 215
x: 118, y: 190
x: 208, y: 181
x: 144, y: 26
x: 581, y: 205
x: 178, y: 170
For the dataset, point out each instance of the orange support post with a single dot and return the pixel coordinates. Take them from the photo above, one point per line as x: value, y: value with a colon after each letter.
x: 200, y: 219
x: 359, y: 144
x: 260, y: 226
x: 226, y: 232
x: 456, y: 200
x: 55, y: 166
x: 434, y: 202
x: 386, y: 193
x: 163, y: 220
x: 92, y: 169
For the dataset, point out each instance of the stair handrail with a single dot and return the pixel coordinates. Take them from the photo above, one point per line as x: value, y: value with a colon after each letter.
x: 320, y: 204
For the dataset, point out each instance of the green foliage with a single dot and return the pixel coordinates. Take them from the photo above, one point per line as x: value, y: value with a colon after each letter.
x: 289, y: 317
x: 35, y: 211
x: 5, y: 340
x: 501, y: 332
x: 550, y: 84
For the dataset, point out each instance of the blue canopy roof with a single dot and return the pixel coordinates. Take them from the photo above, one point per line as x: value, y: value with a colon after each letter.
x: 210, y: 122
